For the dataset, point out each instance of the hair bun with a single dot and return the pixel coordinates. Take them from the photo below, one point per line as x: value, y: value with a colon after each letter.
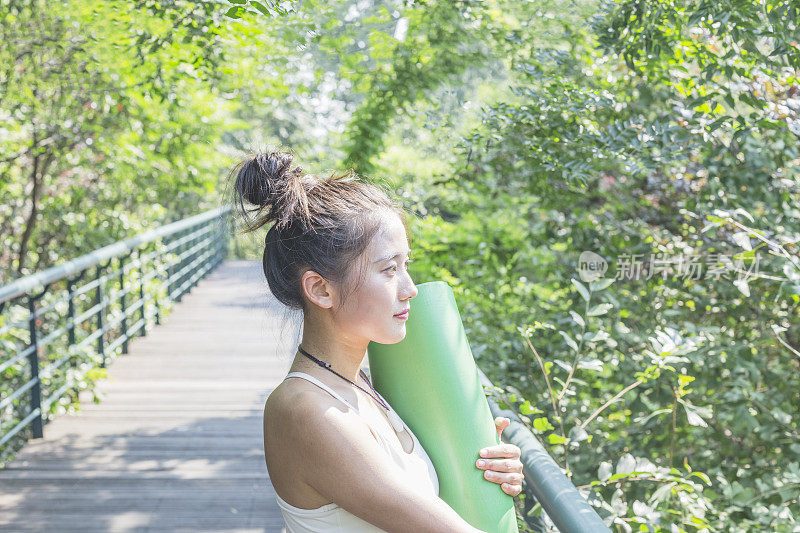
x: 265, y: 181
x: 263, y: 178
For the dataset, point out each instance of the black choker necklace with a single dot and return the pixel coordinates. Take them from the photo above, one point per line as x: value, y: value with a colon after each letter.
x: 395, y: 420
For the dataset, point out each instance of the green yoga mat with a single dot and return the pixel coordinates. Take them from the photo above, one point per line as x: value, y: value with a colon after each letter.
x: 431, y: 380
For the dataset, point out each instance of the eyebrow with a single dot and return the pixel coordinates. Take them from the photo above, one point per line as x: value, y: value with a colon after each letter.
x: 390, y: 257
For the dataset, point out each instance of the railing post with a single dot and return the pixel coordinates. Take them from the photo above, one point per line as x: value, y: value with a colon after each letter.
x: 141, y: 291
x: 99, y: 302
x: 189, y: 260
x: 171, y: 266
x: 71, y: 311
x: 122, y: 302
x: 33, y: 361
x: 182, y: 263
x: 179, y: 266
x: 157, y: 264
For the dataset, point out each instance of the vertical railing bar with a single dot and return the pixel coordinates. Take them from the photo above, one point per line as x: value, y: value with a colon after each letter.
x: 122, y: 302
x: 181, y: 263
x: 33, y: 361
x: 99, y: 301
x: 174, y: 266
x: 158, y: 263
x: 141, y: 291
x: 168, y: 269
x: 199, y: 253
x: 71, y: 311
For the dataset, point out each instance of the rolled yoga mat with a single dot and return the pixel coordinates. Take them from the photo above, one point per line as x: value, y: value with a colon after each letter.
x: 431, y: 380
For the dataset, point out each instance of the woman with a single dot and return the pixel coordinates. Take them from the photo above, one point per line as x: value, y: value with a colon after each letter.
x: 339, y: 458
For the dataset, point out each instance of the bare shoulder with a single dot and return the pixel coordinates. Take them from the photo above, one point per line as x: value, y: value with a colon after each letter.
x: 290, y: 402
x: 293, y: 398
x: 299, y: 418
x: 298, y: 410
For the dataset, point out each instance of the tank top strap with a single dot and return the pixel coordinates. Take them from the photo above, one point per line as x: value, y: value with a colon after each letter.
x: 321, y: 385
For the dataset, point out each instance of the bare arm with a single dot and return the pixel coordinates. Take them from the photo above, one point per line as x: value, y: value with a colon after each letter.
x: 343, y: 462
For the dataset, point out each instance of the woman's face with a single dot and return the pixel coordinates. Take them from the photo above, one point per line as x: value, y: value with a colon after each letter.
x: 386, y: 290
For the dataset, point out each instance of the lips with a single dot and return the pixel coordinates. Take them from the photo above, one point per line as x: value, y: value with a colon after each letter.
x: 404, y: 314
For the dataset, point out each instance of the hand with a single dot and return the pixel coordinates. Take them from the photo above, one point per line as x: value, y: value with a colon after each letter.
x: 506, y: 471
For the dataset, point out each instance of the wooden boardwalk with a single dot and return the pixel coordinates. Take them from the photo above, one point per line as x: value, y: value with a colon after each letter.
x: 176, y: 442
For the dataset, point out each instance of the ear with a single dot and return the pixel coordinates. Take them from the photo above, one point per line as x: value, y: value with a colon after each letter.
x: 317, y: 289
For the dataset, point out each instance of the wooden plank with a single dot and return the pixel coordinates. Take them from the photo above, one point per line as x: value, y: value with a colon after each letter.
x: 176, y: 443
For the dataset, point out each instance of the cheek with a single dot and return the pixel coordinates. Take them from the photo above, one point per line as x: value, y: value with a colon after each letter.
x: 370, y: 307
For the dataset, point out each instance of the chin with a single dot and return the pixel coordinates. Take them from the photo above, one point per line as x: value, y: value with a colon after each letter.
x: 394, y: 338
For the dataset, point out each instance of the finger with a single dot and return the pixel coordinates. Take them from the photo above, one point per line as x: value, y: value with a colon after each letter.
x: 500, y: 465
x: 501, y: 423
x: 512, y: 478
x: 511, y: 490
x: 500, y: 450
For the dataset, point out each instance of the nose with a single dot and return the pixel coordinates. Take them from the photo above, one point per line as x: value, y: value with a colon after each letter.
x: 409, y: 290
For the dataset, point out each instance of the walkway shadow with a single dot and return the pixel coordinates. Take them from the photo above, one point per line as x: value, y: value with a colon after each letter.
x: 205, y: 476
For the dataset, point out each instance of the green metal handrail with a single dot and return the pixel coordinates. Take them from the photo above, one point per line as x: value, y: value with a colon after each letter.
x: 43, y: 315
x: 562, y: 502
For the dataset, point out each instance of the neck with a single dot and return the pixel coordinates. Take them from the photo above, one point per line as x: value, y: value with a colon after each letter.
x: 344, y: 356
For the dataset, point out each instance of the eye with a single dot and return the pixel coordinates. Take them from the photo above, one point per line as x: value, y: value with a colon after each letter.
x: 394, y: 267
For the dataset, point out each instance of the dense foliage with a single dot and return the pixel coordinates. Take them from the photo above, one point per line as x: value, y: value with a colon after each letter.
x: 610, y: 187
x: 665, y: 142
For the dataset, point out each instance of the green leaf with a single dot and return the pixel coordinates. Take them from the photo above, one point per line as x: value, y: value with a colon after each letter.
x: 742, y: 285
x: 581, y: 288
x: 742, y: 238
x: 693, y: 415
x: 262, y: 8
x: 600, y: 284
x: 597, y: 336
x: 556, y: 439
x: 604, y: 471
x: 600, y: 309
x: 777, y: 329
x: 572, y: 344
x: 577, y: 318
x: 626, y: 464
x: 235, y: 13
x: 578, y: 434
x: 594, y: 364
x: 744, y: 213
x: 542, y: 424
x: 662, y: 493
x: 702, y: 476
x: 527, y: 409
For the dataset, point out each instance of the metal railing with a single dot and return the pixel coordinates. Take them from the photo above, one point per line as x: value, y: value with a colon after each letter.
x: 59, y: 324
x: 544, y: 480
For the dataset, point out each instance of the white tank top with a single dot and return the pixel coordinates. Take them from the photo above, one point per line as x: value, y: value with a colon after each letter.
x: 331, y: 518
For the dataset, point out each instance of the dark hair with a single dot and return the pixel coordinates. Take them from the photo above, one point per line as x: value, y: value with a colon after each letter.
x: 320, y: 224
